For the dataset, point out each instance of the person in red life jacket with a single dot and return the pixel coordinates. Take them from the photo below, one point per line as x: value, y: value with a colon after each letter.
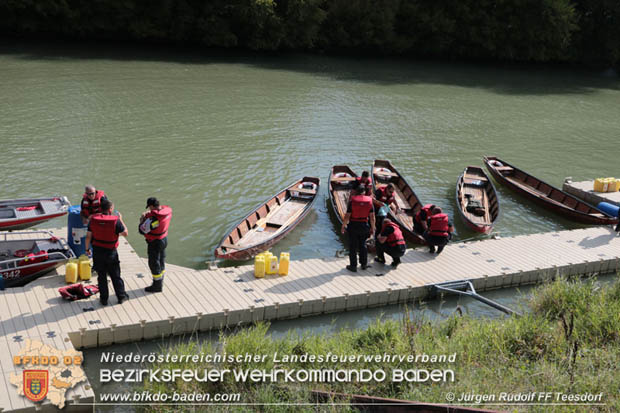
x: 91, y: 203
x: 385, y: 196
x: 154, y: 225
x: 391, y: 242
x: 420, y: 221
x: 103, y: 232
x: 439, y: 230
x: 359, y: 222
x: 364, y: 180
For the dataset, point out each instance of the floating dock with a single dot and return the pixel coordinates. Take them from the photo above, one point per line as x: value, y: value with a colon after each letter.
x: 585, y: 190
x: 227, y: 297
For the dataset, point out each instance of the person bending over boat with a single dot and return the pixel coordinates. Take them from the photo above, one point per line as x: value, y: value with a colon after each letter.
x: 390, y: 242
x: 364, y: 180
x: 154, y: 225
x: 385, y: 196
x: 359, y: 222
x: 439, y: 230
x: 91, y: 203
x: 420, y: 221
x: 103, y: 232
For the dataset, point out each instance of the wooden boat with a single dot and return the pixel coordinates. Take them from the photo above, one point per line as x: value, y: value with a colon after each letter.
x: 383, y: 173
x: 364, y: 403
x: 341, y: 180
x: 25, y: 256
x: 476, y: 199
x: 24, y: 213
x: 269, y: 222
x: 546, y: 195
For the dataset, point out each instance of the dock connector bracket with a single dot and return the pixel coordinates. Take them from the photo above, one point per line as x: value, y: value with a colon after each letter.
x: 466, y: 288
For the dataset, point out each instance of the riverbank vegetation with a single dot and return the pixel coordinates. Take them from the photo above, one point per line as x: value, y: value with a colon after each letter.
x: 568, y: 342
x: 583, y: 31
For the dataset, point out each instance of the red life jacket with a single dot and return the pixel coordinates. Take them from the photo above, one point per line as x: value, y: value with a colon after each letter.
x: 426, y: 208
x: 90, y: 207
x: 384, y: 197
x: 396, y: 237
x: 103, y: 228
x: 361, y: 205
x: 162, y: 217
x: 439, y: 226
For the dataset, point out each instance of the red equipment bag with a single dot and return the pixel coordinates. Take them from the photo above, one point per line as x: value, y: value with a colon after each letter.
x: 78, y: 291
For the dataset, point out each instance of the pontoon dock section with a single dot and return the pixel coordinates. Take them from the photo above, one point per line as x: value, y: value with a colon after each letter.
x: 201, y: 300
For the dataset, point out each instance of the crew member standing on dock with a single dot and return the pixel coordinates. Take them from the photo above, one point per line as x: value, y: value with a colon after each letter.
x: 103, y: 232
x: 364, y: 180
x: 91, y: 203
x: 439, y: 230
x: 391, y: 242
x: 154, y: 225
x: 420, y: 221
x: 356, y: 222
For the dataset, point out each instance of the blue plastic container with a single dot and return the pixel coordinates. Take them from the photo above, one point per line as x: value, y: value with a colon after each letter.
x: 76, y: 231
x: 608, y: 208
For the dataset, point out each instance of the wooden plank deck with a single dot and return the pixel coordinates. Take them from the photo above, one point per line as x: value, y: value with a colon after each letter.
x: 226, y: 297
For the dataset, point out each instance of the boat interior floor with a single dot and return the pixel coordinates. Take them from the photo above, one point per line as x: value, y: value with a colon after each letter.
x: 274, y: 221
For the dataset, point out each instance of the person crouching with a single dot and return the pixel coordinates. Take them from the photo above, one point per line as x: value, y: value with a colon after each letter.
x: 439, y: 230
x: 390, y: 242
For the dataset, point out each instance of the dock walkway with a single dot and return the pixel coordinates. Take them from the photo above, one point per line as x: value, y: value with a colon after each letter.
x: 226, y: 297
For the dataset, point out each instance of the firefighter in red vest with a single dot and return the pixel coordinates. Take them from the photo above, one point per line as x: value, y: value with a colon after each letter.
x: 391, y: 242
x: 439, y: 230
x: 364, y: 180
x: 154, y: 225
x: 359, y: 222
x: 385, y: 196
x: 91, y: 203
x: 420, y: 221
x: 103, y: 232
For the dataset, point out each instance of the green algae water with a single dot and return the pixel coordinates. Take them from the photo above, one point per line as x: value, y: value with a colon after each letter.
x: 215, y: 135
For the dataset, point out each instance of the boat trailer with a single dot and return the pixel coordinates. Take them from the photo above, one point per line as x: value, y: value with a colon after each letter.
x: 466, y: 288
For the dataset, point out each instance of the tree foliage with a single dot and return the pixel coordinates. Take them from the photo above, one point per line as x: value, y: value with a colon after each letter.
x: 514, y: 30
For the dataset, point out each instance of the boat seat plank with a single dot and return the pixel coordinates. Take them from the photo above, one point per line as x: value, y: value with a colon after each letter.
x: 504, y: 168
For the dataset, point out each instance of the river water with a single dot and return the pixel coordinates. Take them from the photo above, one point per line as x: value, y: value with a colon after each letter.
x: 213, y: 135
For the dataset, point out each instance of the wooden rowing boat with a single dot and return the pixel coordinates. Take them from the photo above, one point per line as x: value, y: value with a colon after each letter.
x: 546, y: 195
x: 26, y: 256
x: 383, y: 173
x: 270, y: 221
x: 341, y: 182
x: 476, y: 199
x: 24, y: 213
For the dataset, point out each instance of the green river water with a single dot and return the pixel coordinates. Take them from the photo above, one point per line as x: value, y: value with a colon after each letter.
x: 214, y: 136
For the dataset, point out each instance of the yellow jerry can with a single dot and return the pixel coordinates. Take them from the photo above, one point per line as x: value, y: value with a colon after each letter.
x: 259, y: 266
x: 614, y: 185
x: 272, y: 264
x: 71, y: 271
x: 285, y: 259
x: 84, y: 269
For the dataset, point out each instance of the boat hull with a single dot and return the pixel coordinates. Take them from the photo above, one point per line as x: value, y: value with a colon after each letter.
x: 486, y: 193
x: 585, y: 217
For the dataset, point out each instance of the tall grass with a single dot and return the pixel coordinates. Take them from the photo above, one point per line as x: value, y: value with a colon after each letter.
x: 568, y: 342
